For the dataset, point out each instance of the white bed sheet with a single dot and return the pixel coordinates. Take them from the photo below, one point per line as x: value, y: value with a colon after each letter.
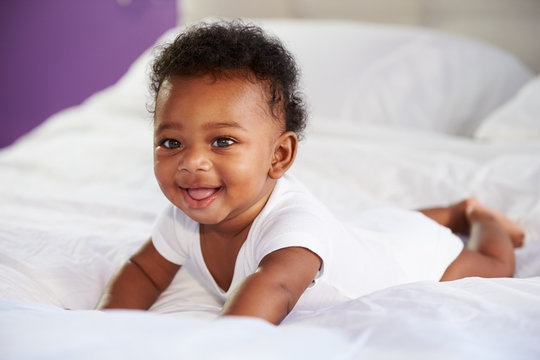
x: 78, y: 197
x: 466, y: 319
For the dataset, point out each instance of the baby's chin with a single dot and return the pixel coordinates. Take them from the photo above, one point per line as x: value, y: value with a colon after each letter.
x: 204, y: 217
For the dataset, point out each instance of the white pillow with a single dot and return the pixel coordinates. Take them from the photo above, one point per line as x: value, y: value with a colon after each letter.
x: 516, y: 120
x: 402, y: 76
x: 409, y: 77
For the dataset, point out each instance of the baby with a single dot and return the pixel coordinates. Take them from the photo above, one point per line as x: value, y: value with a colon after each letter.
x: 227, y: 121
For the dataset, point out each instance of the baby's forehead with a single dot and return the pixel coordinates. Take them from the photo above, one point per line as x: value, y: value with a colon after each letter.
x: 240, y: 87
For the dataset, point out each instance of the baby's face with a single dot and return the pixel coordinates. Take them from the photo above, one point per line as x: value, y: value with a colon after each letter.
x: 213, y: 146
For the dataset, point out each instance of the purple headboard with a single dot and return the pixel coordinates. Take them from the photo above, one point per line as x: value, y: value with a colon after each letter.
x: 55, y: 53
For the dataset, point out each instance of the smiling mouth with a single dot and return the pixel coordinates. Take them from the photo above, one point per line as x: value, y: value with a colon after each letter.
x: 200, y: 197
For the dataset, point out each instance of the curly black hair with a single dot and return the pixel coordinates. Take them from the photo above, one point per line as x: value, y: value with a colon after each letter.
x: 233, y: 47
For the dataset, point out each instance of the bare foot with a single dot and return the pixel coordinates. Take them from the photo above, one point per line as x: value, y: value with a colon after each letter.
x: 476, y: 211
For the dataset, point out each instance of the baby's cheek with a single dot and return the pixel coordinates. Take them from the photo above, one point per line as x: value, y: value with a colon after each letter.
x: 164, y: 176
x: 249, y: 172
x: 158, y: 173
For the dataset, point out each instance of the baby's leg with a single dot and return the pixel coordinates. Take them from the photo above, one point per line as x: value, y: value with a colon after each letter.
x: 490, y: 250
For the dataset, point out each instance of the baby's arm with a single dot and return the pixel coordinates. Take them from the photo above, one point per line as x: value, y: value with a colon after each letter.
x: 272, y: 291
x: 140, y: 281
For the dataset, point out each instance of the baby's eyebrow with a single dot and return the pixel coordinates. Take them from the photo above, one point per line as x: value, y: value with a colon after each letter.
x: 168, y: 125
x: 223, y: 124
x: 207, y: 126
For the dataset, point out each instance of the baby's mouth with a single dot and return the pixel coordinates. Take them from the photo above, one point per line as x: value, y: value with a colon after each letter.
x: 202, y: 193
x: 201, y: 197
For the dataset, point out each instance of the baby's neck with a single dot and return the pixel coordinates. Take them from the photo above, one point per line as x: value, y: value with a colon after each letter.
x: 219, y: 233
x: 220, y: 251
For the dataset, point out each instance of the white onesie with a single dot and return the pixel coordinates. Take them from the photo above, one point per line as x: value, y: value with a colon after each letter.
x: 382, y: 248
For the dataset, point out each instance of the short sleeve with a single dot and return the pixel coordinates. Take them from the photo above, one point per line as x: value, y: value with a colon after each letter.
x: 294, y: 220
x: 297, y: 239
x: 173, y: 234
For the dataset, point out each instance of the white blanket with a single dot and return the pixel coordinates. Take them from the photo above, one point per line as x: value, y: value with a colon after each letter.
x: 78, y: 197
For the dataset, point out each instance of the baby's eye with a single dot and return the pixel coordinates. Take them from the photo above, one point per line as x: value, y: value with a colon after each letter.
x: 223, y: 142
x: 172, y: 144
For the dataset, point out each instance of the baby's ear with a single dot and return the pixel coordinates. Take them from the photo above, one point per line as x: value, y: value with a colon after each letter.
x: 284, y: 154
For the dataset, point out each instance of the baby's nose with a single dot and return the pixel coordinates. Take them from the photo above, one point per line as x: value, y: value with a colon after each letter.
x: 194, y: 159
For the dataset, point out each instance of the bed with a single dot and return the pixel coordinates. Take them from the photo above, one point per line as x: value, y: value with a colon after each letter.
x: 400, y: 115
